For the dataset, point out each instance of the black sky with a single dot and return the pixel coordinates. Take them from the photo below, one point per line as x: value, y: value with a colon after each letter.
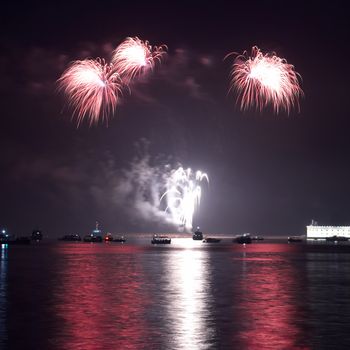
x: 268, y: 174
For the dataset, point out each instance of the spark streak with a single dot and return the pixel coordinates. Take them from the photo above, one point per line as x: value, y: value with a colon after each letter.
x: 183, y: 195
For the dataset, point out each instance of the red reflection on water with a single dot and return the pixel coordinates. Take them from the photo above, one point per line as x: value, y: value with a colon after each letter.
x: 271, y: 307
x: 100, y: 300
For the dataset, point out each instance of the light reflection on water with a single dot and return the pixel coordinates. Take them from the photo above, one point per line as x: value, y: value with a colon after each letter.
x: 3, y: 290
x: 187, y: 309
x: 270, y: 304
x: 187, y: 295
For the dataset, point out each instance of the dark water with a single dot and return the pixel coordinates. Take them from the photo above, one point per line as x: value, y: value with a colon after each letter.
x: 188, y: 295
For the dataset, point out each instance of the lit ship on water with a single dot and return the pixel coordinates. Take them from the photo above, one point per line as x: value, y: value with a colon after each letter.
x: 327, y: 233
x: 95, y: 235
x: 197, y: 235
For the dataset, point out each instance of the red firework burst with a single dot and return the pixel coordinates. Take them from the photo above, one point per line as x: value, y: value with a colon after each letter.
x: 265, y: 79
x: 133, y: 56
x: 92, y: 87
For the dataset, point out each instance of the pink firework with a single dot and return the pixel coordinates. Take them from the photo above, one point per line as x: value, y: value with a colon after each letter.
x: 92, y: 87
x: 265, y: 79
x: 133, y: 56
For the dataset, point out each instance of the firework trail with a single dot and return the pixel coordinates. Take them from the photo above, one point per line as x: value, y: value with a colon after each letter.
x: 133, y: 56
x: 159, y: 193
x: 265, y: 79
x: 183, y: 195
x: 92, y: 87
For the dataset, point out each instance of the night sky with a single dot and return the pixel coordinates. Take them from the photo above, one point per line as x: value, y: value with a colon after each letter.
x: 269, y: 174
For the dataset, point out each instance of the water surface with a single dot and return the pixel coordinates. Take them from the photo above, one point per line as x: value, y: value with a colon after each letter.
x: 187, y: 295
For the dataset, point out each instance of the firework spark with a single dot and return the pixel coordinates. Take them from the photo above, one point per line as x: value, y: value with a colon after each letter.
x: 93, y: 88
x: 265, y: 79
x: 133, y: 56
x: 183, y: 195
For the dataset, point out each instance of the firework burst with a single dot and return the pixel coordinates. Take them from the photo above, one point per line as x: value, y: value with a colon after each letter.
x: 133, y: 56
x: 93, y: 88
x: 265, y: 79
x: 183, y: 195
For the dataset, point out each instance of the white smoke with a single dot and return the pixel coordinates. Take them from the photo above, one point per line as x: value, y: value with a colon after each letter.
x: 159, y: 193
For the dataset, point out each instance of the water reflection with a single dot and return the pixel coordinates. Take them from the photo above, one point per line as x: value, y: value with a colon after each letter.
x: 100, y: 300
x: 272, y: 304
x: 329, y: 299
x: 187, y: 308
x: 187, y: 295
x: 3, y: 291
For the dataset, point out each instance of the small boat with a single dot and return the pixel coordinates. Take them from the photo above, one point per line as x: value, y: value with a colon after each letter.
x: 108, y: 237
x: 160, y: 239
x: 244, y: 239
x: 37, y: 235
x: 257, y: 238
x: 120, y: 239
x: 70, y: 238
x: 211, y: 240
x: 337, y: 239
x: 295, y: 239
x: 197, y: 235
x: 92, y: 238
x: 95, y: 236
x: 6, y: 238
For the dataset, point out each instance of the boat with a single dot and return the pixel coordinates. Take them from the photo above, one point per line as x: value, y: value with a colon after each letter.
x: 95, y: 236
x: 37, y: 235
x: 317, y: 232
x: 120, y: 239
x: 197, y: 235
x: 257, y: 238
x: 243, y: 239
x: 92, y: 238
x: 6, y: 238
x: 160, y: 239
x: 211, y: 240
x: 295, y: 239
x: 70, y: 238
x: 108, y: 237
x: 337, y: 239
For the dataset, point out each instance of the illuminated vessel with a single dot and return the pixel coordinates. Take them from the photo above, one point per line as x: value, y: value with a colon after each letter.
x: 295, y: 239
x: 197, y: 235
x: 337, y: 239
x: 70, y: 238
x: 120, y: 239
x: 108, y: 237
x: 91, y: 238
x: 244, y: 239
x: 6, y: 238
x: 327, y: 233
x: 211, y: 240
x: 160, y: 239
x: 37, y: 235
x: 95, y: 236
